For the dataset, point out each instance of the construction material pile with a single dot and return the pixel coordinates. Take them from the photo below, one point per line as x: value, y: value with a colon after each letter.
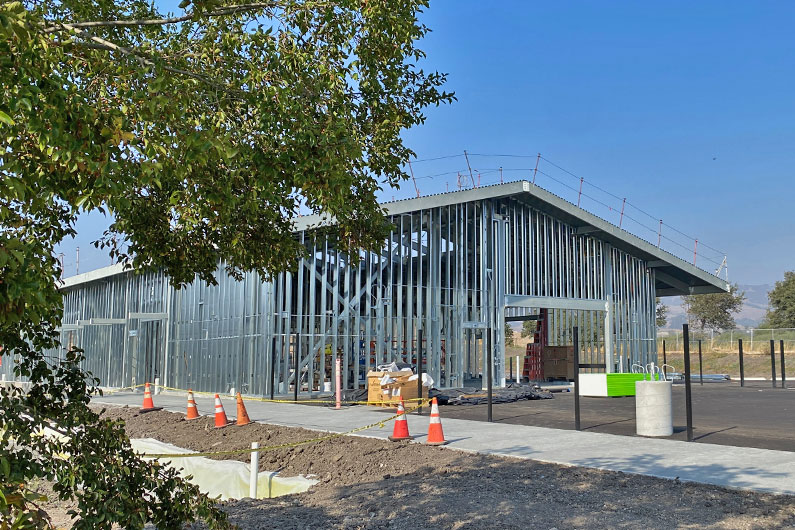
x: 475, y: 396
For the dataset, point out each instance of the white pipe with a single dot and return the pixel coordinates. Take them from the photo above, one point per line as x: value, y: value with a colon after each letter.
x: 157, y: 385
x: 518, y: 371
x: 252, y: 481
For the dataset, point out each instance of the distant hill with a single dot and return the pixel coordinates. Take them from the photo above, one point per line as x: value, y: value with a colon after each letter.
x: 751, y: 314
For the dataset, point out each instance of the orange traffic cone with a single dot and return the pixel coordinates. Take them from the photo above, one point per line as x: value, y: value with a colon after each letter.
x: 148, y: 405
x: 401, y: 429
x: 220, y: 415
x: 435, y: 434
x: 242, y: 415
x: 193, y: 412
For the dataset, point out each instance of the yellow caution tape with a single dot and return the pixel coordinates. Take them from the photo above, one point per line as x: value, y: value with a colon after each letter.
x: 121, y: 389
x: 287, y: 445
x: 264, y: 400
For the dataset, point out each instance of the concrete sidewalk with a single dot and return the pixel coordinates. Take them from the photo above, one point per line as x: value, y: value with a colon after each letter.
x: 734, y: 467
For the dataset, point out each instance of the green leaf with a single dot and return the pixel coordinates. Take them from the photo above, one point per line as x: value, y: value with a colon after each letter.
x: 5, y: 118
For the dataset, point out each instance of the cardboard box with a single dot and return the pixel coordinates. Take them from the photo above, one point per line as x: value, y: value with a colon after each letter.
x: 558, y: 352
x: 389, y: 395
x: 558, y: 369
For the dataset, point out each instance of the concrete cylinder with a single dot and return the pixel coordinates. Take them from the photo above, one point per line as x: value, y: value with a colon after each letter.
x: 653, y: 408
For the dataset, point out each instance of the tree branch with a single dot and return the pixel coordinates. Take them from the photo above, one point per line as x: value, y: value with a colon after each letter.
x: 229, y: 10
x: 102, y: 44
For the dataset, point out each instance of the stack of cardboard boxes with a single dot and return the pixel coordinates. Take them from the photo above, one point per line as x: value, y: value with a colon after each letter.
x: 389, y: 394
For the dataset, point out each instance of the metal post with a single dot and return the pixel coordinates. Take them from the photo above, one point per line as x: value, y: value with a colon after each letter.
x: 296, y: 372
x: 665, y: 357
x: 742, y: 367
x: 688, y: 395
x: 419, y: 369
x: 518, y: 370
x: 773, y: 361
x: 338, y: 367
x: 254, y: 471
x: 510, y: 371
x: 489, y: 362
x: 700, y: 368
x: 783, y: 367
x: 659, y: 234
x: 576, y: 336
x: 273, y: 366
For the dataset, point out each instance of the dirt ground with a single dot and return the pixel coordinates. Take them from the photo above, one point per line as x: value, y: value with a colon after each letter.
x: 367, y: 483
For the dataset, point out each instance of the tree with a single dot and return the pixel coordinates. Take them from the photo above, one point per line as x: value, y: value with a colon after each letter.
x: 510, y: 340
x: 661, y: 312
x: 781, y: 313
x: 203, y: 135
x: 714, y: 311
x: 528, y: 328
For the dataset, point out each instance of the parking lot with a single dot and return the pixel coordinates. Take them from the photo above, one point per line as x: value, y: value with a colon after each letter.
x: 723, y: 413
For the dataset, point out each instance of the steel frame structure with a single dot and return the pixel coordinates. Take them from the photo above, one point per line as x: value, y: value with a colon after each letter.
x: 454, y: 265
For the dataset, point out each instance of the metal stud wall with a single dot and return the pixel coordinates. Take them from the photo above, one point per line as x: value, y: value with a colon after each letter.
x: 453, y: 271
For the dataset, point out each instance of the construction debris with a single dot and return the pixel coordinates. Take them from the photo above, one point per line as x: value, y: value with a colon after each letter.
x: 475, y: 396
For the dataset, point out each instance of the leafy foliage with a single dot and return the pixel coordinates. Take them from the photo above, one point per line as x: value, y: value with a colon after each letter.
x: 203, y: 135
x: 714, y: 311
x: 782, y: 303
x: 510, y: 339
x: 528, y: 328
x: 661, y: 313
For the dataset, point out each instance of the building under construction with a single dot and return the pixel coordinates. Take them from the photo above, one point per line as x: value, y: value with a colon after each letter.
x: 454, y: 268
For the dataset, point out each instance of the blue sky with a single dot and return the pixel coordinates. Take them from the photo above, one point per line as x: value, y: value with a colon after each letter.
x: 684, y: 108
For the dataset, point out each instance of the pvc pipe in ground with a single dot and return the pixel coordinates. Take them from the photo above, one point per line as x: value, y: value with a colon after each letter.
x: 653, y: 408
x: 157, y: 385
x: 253, y: 477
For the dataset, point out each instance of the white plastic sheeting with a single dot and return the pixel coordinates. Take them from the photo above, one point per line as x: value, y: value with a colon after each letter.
x: 228, y: 479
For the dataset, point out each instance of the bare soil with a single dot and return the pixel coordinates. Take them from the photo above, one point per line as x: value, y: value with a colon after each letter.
x: 368, y: 483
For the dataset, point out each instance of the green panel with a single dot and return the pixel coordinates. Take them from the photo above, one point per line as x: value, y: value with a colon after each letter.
x: 622, y: 384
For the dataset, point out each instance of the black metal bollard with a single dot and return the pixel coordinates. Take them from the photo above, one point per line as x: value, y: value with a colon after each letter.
x: 773, y: 361
x: 576, y: 336
x: 700, y: 366
x: 783, y: 366
x: 742, y: 368
x: 688, y: 395
x: 665, y: 358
